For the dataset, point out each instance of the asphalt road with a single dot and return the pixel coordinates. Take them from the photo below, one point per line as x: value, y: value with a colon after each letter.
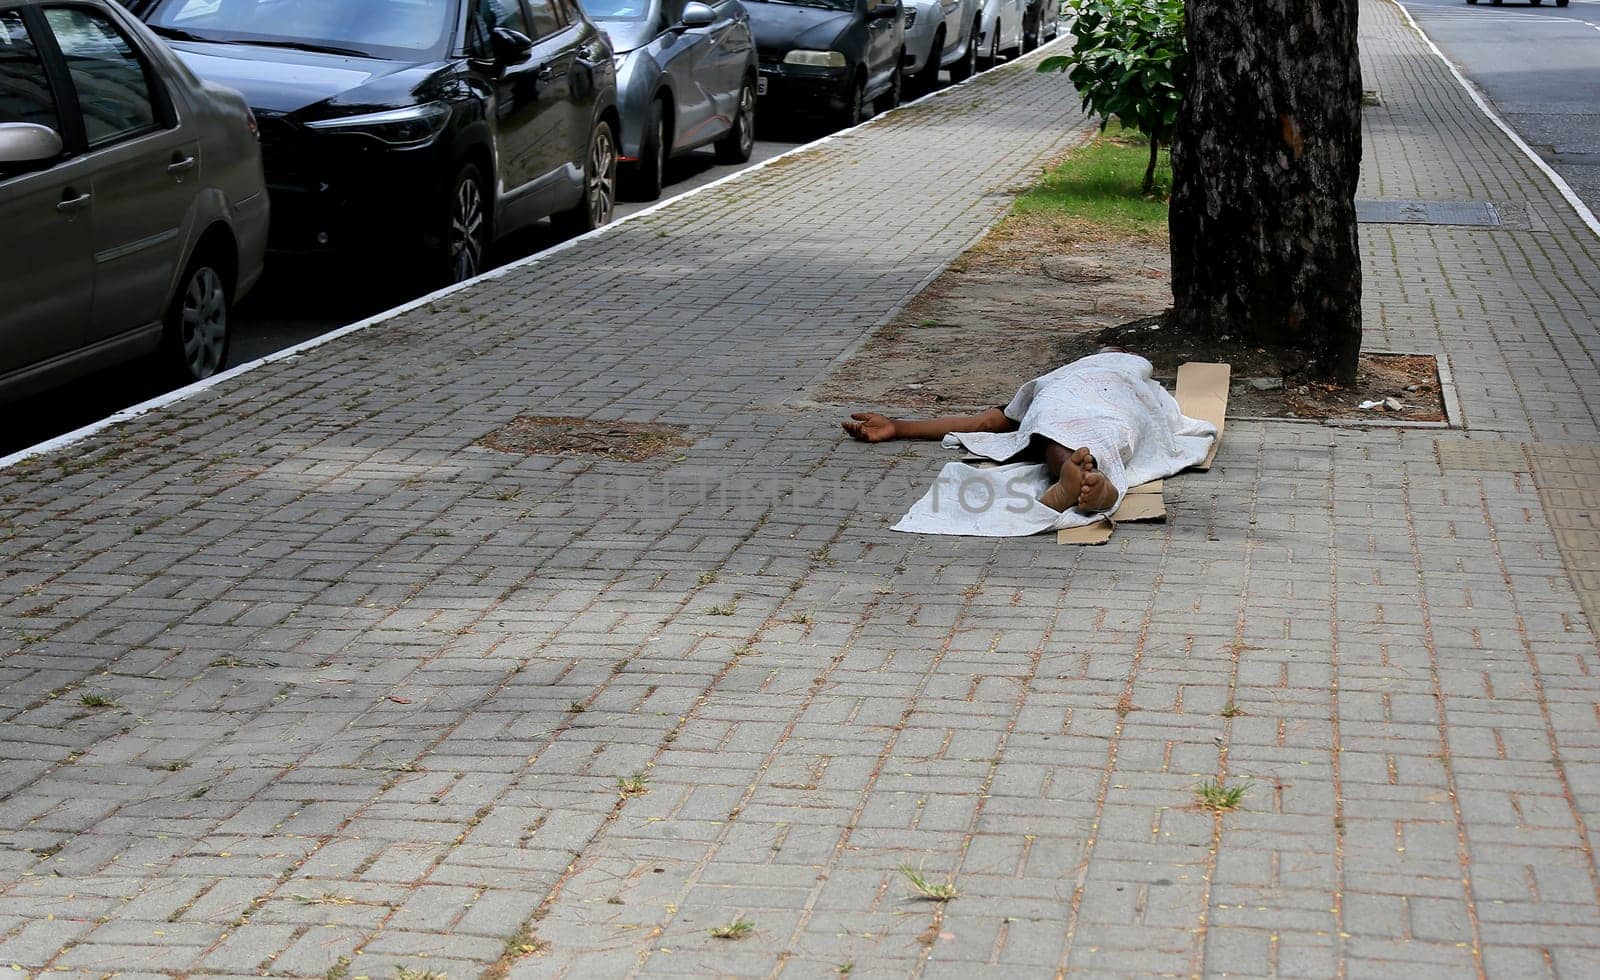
x: 1539, y: 66
x: 296, y: 301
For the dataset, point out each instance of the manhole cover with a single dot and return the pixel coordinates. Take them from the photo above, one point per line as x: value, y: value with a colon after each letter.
x: 1477, y: 214
x: 546, y: 435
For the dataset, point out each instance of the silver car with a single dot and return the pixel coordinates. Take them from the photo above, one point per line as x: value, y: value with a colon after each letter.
x: 939, y: 34
x: 686, y: 77
x: 132, y: 207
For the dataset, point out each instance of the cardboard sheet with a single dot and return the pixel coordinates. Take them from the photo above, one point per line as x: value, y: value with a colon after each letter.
x: 1202, y: 394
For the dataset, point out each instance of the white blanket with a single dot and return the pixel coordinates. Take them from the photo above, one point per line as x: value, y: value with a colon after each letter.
x: 1110, y: 403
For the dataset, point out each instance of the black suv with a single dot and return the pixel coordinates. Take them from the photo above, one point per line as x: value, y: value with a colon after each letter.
x: 423, y: 127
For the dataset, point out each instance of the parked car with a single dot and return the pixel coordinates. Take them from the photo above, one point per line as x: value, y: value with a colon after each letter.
x: 686, y: 77
x: 939, y: 35
x: 133, y: 213
x: 830, y: 57
x: 414, y: 129
x: 1001, y: 30
x: 1041, y: 23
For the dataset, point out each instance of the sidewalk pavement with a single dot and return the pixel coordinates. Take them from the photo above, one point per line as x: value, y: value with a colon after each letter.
x: 374, y: 684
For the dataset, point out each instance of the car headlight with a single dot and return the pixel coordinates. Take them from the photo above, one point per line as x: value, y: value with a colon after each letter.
x: 816, y: 59
x: 411, y: 126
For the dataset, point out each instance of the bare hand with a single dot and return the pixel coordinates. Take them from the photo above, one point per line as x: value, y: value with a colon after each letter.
x: 870, y: 427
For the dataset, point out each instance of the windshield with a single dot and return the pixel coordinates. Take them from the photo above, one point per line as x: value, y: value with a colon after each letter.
x: 819, y: 4
x: 399, y: 30
x: 616, y: 9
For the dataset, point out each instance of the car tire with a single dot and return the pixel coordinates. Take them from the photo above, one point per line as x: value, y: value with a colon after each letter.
x: 891, y: 98
x: 927, y: 79
x: 195, y: 342
x: 1561, y: 3
x: 968, y: 65
x: 1030, y: 35
x: 599, y: 198
x: 855, y: 109
x: 644, y: 179
x: 740, y: 142
x: 466, y: 233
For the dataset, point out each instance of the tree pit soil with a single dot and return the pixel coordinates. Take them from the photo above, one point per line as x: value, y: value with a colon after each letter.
x: 1042, y: 290
x: 545, y: 435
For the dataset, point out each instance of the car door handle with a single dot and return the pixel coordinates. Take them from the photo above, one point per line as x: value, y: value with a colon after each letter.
x: 70, y: 204
x: 546, y: 72
x: 180, y: 165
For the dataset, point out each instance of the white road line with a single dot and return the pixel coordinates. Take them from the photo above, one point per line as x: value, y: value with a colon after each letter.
x: 179, y: 394
x: 1556, y: 179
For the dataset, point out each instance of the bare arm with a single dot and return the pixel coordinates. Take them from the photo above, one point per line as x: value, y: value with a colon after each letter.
x: 872, y: 427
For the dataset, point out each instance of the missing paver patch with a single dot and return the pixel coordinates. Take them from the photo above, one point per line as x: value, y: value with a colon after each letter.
x: 548, y: 435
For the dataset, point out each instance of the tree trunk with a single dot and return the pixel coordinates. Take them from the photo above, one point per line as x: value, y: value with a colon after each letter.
x: 1265, y: 164
x: 1150, y: 171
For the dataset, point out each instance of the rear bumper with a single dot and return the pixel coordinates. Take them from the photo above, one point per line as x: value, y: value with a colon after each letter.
x: 251, y: 226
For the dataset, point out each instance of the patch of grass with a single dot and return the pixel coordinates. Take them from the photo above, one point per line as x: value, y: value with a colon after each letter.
x: 339, y: 970
x: 96, y: 701
x: 1218, y: 796
x: 407, y: 973
x: 843, y: 969
x: 524, y: 943
x: 927, y: 889
x: 802, y: 618
x: 576, y: 708
x: 737, y: 929
x: 707, y: 578
x: 726, y: 609
x: 326, y: 898
x: 637, y: 784
x: 1231, y: 710
x: 1099, y: 184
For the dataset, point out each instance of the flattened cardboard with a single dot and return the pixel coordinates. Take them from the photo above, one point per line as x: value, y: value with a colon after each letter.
x: 1141, y: 507
x: 1203, y: 394
x: 1097, y: 533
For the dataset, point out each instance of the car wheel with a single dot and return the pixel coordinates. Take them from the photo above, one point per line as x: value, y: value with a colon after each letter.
x: 599, y: 198
x: 197, y: 323
x: 1030, y: 34
x: 968, y: 65
x: 644, y: 180
x: 928, y: 78
x: 855, y: 109
x: 891, y: 98
x: 467, y: 239
x: 1561, y: 3
x: 740, y: 142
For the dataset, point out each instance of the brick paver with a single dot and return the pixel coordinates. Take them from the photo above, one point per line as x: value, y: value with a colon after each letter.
x: 374, y: 685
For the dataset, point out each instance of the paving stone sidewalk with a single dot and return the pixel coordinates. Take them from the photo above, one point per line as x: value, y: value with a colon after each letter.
x: 375, y: 688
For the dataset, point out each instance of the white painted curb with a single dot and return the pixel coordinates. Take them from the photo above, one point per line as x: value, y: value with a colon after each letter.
x: 179, y: 394
x: 1560, y: 183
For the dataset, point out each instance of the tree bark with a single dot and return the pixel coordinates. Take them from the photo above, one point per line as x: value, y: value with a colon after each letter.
x: 1150, y: 170
x: 1265, y: 164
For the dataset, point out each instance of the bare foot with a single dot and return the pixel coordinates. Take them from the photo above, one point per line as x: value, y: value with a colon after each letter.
x: 870, y: 427
x: 1084, y: 459
x: 1096, y: 494
x: 1069, y: 483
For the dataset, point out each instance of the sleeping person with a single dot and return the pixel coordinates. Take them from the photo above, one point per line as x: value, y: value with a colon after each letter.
x: 1071, y: 443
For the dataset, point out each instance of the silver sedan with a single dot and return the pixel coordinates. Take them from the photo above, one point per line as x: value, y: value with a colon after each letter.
x: 686, y: 78
x: 132, y: 207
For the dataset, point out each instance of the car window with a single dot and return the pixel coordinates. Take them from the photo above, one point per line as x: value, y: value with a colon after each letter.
x: 113, y: 89
x: 25, y: 95
x: 546, y: 21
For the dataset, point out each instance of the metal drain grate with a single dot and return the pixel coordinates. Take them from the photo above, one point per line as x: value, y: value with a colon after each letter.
x: 1476, y: 214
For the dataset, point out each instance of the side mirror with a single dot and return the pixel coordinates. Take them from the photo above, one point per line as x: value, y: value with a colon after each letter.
x: 510, y: 46
x: 26, y: 144
x: 879, y: 11
x: 697, y: 14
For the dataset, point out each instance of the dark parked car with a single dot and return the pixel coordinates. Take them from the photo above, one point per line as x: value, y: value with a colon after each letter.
x: 132, y: 208
x: 686, y: 78
x: 1041, y: 24
x: 830, y: 57
x: 428, y: 127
